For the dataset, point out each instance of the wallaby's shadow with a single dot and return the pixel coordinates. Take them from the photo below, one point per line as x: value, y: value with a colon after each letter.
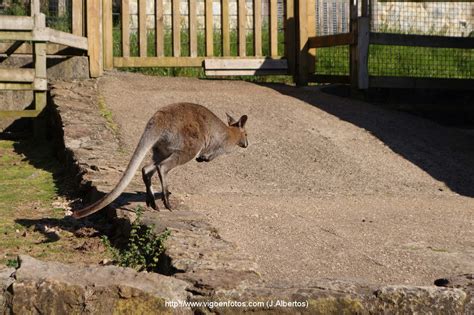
x: 447, y: 154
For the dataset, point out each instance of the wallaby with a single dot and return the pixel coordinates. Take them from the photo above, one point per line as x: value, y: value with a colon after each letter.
x: 176, y: 133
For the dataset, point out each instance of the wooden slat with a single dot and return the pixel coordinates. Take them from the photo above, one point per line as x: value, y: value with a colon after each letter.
x: 78, y: 17
x: 421, y: 83
x: 344, y: 79
x: 273, y: 28
x: 245, y: 72
x: 353, y: 63
x: 331, y: 40
x: 421, y: 40
x: 16, y: 23
x: 16, y: 86
x: 192, y: 28
x: 125, y: 28
x: 301, y: 77
x: 159, y: 29
x: 245, y: 64
x: 257, y: 23
x: 158, y: 62
x: 142, y: 38
x: 176, y: 29
x: 35, y: 7
x: 52, y: 49
x: 242, y: 16
x: 11, y: 35
x: 290, y: 42
x: 17, y: 75
x: 67, y: 39
x: 40, y: 100
x: 311, y: 32
x: 209, y: 28
x: 363, y: 52
x: 40, y: 60
x: 108, y: 34
x: 94, y: 36
x: 225, y: 28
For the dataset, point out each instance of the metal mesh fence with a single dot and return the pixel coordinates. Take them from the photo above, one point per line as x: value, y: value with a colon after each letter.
x: 453, y: 19
x: 58, y: 12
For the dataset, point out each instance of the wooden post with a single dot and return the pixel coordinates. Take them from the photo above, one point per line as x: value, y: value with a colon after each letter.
x: 353, y: 66
x: 108, y: 35
x: 301, y: 77
x: 242, y: 15
x: 142, y: 36
x: 193, y: 50
x: 273, y: 28
x: 94, y: 37
x: 257, y: 26
x: 311, y: 9
x: 125, y: 28
x: 363, y: 53
x: 225, y: 28
x: 78, y: 17
x: 159, y: 29
x: 209, y: 28
x: 176, y: 29
x: 290, y: 40
x: 35, y: 7
x: 41, y: 80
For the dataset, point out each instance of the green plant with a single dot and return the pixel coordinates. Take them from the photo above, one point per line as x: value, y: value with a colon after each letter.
x: 12, y: 263
x: 16, y: 8
x: 143, y: 249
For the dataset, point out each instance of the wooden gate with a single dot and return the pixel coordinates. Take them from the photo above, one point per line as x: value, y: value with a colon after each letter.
x: 226, y: 37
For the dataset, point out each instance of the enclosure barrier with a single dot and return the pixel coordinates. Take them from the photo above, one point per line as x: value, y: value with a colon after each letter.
x: 411, y: 50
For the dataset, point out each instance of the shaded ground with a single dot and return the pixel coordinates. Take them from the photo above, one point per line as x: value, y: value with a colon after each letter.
x: 328, y: 188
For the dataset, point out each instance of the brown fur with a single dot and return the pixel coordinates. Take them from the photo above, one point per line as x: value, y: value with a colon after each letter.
x: 176, y: 133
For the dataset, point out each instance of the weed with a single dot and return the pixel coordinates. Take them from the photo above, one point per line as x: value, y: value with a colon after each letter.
x: 143, y: 249
x: 12, y: 263
x: 107, y: 114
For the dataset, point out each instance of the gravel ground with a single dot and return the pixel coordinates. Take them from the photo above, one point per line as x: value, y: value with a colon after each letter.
x: 328, y: 188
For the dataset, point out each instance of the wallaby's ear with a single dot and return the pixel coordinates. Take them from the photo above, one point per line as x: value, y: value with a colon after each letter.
x: 230, y: 120
x: 242, y: 121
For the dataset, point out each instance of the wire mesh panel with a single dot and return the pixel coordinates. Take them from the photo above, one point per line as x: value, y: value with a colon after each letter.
x: 452, y: 19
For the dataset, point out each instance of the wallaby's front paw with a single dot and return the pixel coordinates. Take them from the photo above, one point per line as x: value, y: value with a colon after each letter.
x: 150, y: 202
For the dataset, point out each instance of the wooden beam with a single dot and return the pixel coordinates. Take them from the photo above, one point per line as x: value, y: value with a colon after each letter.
x: 353, y: 62
x: 290, y: 40
x: 125, y: 28
x: 16, y: 86
x: 242, y: 16
x: 274, y: 28
x: 344, y: 79
x: 16, y: 23
x: 331, y: 40
x: 159, y: 29
x: 301, y: 76
x: 242, y: 64
x: 142, y: 32
x: 176, y: 29
x: 62, y: 38
x: 158, y: 62
x: 51, y: 49
x: 245, y: 72
x: 108, y: 34
x: 421, y: 83
x: 209, y: 28
x: 94, y: 37
x: 257, y: 27
x: 17, y: 75
x: 225, y: 28
x: 421, y: 40
x: 193, y: 51
x: 311, y: 32
x: 363, y: 52
x: 35, y: 7
x: 78, y: 17
x: 40, y: 100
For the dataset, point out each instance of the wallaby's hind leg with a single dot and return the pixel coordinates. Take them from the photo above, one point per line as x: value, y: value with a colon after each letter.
x: 163, y: 168
x: 147, y: 173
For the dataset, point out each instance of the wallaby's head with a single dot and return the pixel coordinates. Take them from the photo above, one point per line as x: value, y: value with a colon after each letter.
x: 238, y: 130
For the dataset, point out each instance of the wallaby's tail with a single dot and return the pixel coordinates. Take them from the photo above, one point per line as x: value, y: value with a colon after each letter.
x: 145, y: 144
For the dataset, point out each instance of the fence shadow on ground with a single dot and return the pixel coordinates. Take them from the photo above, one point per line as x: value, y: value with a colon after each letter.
x: 445, y: 153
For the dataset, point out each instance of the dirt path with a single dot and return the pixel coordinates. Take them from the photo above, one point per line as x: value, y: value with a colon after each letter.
x: 328, y: 188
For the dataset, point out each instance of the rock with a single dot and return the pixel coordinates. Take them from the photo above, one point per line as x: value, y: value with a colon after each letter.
x: 6, y: 280
x: 55, y: 288
x: 422, y: 300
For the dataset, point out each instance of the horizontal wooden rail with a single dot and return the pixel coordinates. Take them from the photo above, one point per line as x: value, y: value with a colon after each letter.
x: 323, y: 78
x: 158, y: 61
x: 421, y: 40
x: 19, y: 113
x: 331, y: 40
x: 420, y: 83
x: 237, y: 67
x: 16, y: 86
x: 26, y: 48
x: 46, y: 35
x: 16, y: 23
x: 17, y: 75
